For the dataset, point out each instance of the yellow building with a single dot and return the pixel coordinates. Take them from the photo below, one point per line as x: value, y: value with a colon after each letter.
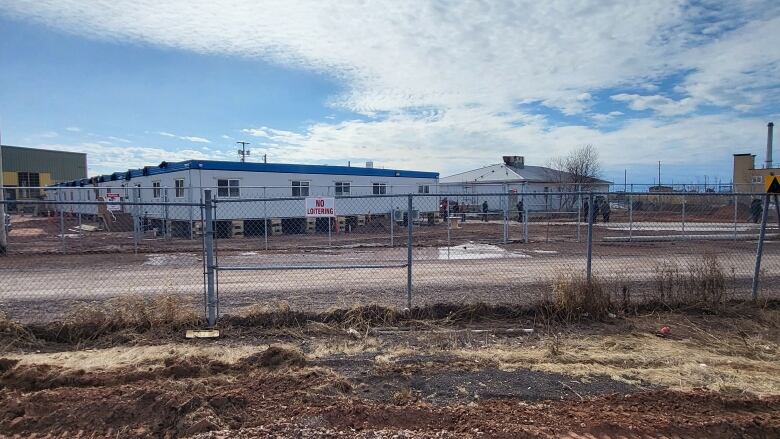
x: 747, y: 178
x: 25, y: 168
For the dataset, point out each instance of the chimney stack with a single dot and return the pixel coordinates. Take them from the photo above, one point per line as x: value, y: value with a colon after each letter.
x: 769, y: 129
x: 517, y: 161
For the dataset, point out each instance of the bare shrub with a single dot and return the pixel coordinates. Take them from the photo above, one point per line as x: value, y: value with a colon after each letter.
x: 14, y: 335
x: 700, y: 283
x: 90, y: 321
x: 574, y: 297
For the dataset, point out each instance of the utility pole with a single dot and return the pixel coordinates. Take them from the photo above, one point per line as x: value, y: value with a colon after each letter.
x: 659, y: 175
x: 243, y: 152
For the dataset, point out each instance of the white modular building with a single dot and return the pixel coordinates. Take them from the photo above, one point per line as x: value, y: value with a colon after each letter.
x: 239, y: 188
x: 534, y: 185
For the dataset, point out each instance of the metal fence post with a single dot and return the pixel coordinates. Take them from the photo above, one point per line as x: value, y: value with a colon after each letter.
x: 505, y: 199
x: 211, y: 304
x: 579, y: 209
x: 81, y: 232
x: 409, y: 254
x: 392, y: 223
x: 166, y: 214
x: 526, y: 239
x: 760, y: 251
x: 589, y: 262
x: 683, y: 216
x: 62, y: 221
x: 736, y: 207
x: 265, y: 219
x: 630, y: 217
x: 134, y: 214
x: 449, y: 227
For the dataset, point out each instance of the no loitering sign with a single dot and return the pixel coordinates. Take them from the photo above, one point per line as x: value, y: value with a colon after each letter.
x: 115, y: 198
x: 320, y: 207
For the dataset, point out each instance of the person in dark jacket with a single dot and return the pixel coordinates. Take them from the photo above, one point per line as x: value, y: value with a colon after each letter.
x: 596, y: 209
x: 756, y: 209
x: 586, y: 209
x: 484, y: 211
x: 605, y: 211
x: 520, y: 211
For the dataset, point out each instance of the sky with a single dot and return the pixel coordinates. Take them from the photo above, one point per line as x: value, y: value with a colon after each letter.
x: 442, y: 86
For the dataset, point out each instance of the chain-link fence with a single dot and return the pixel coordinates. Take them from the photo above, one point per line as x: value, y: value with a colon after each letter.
x: 383, y: 249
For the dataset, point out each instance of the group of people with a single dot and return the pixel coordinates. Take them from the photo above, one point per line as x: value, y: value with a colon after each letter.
x: 600, y: 206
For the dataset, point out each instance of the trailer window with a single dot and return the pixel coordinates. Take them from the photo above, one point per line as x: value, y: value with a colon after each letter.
x: 227, y: 188
x: 178, y: 184
x: 342, y: 188
x: 423, y: 189
x: 156, y: 189
x: 380, y: 188
x: 300, y: 188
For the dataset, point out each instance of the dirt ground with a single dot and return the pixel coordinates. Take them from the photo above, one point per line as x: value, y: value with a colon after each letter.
x: 714, y: 376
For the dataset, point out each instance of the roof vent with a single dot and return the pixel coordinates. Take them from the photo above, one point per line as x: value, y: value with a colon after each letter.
x: 516, y: 161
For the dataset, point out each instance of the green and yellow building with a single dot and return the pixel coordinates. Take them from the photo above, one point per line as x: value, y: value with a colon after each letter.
x: 30, y: 167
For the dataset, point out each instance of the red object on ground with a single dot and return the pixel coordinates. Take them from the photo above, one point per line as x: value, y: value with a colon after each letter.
x: 665, y: 330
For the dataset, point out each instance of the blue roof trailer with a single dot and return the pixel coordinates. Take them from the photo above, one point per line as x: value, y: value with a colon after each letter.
x: 231, y: 182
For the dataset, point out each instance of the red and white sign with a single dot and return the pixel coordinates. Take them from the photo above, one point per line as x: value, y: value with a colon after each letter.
x: 320, y: 207
x: 113, y: 197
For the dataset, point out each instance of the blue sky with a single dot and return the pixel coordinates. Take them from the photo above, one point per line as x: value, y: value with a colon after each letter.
x: 442, y: 86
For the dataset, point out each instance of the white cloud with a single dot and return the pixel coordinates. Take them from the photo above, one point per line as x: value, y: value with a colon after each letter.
x: 471, y: 65
x: 606, y: 117
x: 118, y: 139
x: 412, y: 53
x: 462, y: 140
x: 187, y: 138
x: 105, y: 159
x: 73, y: 129
x: 660, y: 104
x: 225, y: 136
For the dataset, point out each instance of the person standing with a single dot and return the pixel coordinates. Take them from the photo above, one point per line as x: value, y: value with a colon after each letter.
x: 484, y: 211
x: 520, y: 211
x: 756, y: 209
x: 605, y: 211
x: 586, y: 210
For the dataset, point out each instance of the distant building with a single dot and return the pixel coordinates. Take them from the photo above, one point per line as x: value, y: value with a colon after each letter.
x: 30, y: 167
x: 531, y: 183
x: 232, y: 182
x: 748, y: 178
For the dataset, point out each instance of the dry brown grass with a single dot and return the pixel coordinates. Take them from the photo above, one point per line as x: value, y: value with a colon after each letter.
x: 701, y: 283
x: 575, y: 298
x: 127, y: 315
x: 730, y: 355
x: 14, y: 335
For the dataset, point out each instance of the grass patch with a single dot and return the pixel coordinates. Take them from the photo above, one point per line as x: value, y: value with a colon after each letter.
x: 701, y: 283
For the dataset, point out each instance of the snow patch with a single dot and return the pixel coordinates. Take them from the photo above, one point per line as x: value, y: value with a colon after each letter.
x: 471, y: 250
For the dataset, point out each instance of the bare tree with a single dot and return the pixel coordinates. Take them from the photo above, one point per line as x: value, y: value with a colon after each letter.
x: 576, y: 171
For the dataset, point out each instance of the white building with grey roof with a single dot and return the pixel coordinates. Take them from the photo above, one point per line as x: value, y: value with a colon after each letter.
x: 534, y: 185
